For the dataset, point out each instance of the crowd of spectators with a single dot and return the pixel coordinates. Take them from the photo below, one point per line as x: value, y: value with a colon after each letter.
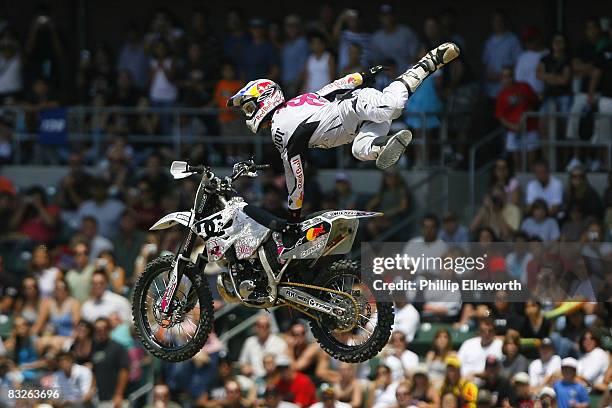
x: 171, y: 63
x: 71, y: 254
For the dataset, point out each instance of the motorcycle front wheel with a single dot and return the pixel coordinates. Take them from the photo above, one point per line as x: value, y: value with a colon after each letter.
x: 367, y: 332
x: 180, y: 336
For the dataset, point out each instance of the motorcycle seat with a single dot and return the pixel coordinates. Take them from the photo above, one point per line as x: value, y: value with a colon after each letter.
x: 265, y: 218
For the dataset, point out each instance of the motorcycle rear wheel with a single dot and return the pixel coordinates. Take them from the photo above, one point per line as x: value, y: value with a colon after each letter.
x: 334, y: 342
x: 199, y: 303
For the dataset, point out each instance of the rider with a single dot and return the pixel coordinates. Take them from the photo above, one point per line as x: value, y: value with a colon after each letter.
x: 337, y: 114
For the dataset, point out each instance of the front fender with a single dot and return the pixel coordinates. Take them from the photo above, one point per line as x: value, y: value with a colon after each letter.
x: 170, y: 220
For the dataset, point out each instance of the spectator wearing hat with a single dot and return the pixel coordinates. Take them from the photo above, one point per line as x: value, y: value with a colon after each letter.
x: 328, y: 398
x: 547, y: 398
x: 272, y: 398
x: 520, y: 382
x: 474, y: 352
x: 528, y: 60
x: 570, y: 392
x: 543, y: 369
x: 294, y: 53
x: 294, y: 386
x: 594, y: 362
x: 260, y: 57
x: 393, y: 40
x: 496, y: 384
x: 423, y: 392
x: 464, y: 390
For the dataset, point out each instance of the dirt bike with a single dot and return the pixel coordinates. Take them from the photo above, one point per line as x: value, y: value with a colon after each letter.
x: 172, y: 301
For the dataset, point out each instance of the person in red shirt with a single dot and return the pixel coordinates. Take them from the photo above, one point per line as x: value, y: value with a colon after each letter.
x: 35, y: 218
x: 294, y: 386
x: 513, y: 100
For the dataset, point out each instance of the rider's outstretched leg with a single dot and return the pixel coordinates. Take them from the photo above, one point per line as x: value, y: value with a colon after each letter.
x: 430, y: 63
x: 372, y: 142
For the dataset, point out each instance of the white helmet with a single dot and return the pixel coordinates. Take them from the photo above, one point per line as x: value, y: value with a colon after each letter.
x: 258, y: 100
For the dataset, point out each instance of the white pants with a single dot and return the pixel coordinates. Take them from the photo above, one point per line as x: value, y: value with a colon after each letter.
x: 573, y: 124
x: 602, y: 124
x: 370, y: 113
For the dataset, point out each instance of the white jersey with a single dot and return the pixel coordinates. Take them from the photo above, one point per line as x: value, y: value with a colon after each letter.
x: 312, y: 120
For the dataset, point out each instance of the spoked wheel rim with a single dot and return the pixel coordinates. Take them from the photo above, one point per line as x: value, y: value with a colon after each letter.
x: 363, y: 319
x: 176, y: 331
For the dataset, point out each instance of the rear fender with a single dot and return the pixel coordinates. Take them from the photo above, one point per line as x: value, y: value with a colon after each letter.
x: 170, y: 220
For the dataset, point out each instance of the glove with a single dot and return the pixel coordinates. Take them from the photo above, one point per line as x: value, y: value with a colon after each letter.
x: 369, y: 74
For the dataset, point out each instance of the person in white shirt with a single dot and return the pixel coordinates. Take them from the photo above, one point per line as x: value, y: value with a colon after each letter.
x: 162, y: 71
x: 103, y: 302
x: 428, y: 245
x: 473, y: 353
x: 542, y: 369
x: 10, y: 68
x: 528, y: 60
x: 255, y: 347
x: 593, y: 364
x: 401, y: 361
x: 384, y: 388
x: 545, y: 187
x: 407, y: 319
x: 74, y: 381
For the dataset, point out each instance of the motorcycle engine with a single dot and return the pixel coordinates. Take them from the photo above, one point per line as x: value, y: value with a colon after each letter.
x: 250, y: 278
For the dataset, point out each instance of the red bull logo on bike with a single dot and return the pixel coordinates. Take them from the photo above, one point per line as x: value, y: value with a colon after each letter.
x: 315, y: 232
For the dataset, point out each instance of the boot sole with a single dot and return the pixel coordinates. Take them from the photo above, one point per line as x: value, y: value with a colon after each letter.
x: 394, y: 149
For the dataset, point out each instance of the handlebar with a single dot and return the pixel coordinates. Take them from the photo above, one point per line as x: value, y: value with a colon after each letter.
x: 261, y: 166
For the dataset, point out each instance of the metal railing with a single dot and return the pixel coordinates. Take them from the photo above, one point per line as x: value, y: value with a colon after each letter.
x: 550, y: 144
x: 92, y: 127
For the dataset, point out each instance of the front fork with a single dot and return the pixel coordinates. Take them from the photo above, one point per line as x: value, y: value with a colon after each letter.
x: 178, y: 270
